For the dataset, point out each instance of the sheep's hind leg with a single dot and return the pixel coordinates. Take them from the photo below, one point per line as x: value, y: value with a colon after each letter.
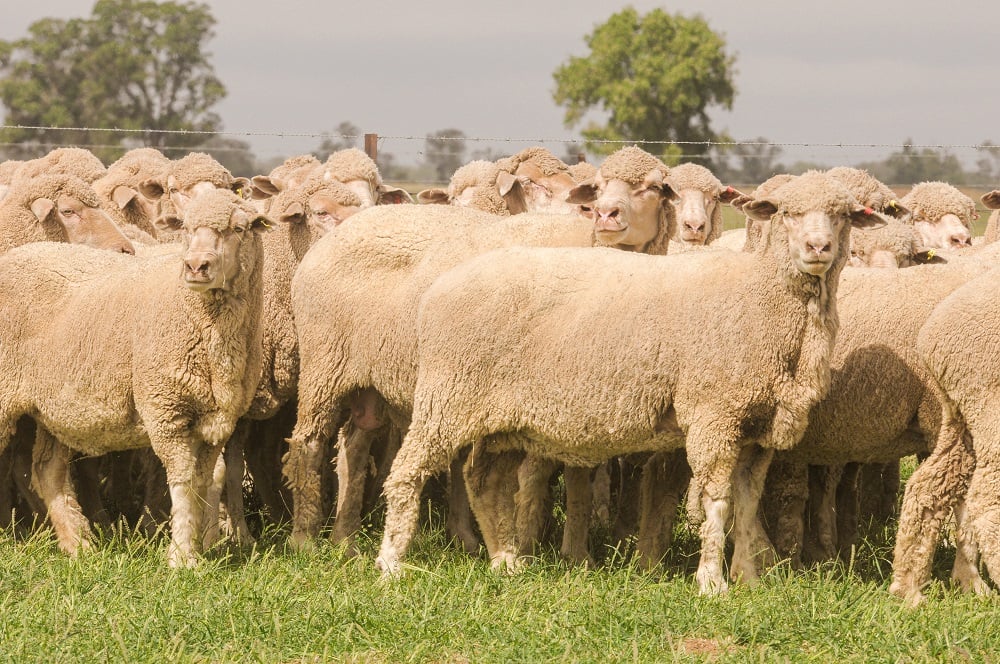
x: 934, y: 489
x: 491, y: 480
x: 50, y: 477
x: 422, y: 455
x: 579, y: 506
x: 665, y: 478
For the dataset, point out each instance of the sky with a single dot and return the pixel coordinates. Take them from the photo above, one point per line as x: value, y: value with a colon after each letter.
x: 824, y: 80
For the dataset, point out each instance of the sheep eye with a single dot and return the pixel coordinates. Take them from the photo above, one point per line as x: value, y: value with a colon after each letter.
x: 239, y: 229
x: 67, y: 213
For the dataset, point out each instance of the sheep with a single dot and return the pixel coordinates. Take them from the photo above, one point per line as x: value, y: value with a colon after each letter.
x: 287, y: 175
x: 699, y: 212
x: 629, y: 381
x: 107, y: 352
x: 120, y: 195
x: 533, y: 180
x: 60, y: 208
x: 360, y: 344
x: 186, y: 178
x: 67, y: 161
x: 305, y: 212
x: 941, y: 214
x: 991, y: 200
x: 958, y: 349
x: 480, y: 184
x: 359, y: 173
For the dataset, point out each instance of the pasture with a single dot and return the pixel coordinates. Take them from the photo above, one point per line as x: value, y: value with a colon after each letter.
x: 120, y: 602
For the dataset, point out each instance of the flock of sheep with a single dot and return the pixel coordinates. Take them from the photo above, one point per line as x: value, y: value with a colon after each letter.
x: 166, y: 328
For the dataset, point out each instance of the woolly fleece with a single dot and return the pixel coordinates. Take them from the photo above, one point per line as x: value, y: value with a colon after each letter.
x: 929, y: 201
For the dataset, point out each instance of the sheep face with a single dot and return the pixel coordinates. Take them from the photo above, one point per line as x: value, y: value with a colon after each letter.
x: 321, y: 213
x: 694, y: 209
x: 626, y: 216
x: 812, y: 240
x: 82, y: 223
x: 365, y: 190
x: 212, y: 258
x: 948, y: 232
x: 544, y: 193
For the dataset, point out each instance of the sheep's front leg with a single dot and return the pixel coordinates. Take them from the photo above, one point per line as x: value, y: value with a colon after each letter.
x: 491, y: 480
x: 353, y: 452
x: 752, y: 549
x: 713, y: 456
x: 50, y: 477
x: 190, y: 466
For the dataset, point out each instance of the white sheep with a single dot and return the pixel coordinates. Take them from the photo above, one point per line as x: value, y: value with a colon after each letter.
x: 359, y: 173
x: 959, y: 349
x: 78, y: 162
x: 942, y: 215
x: 119, y: 189
x: 991, y: 200
x: 700, y: 197
x: 112, y: 352
x: 360, y: 343
x: 582, y: 354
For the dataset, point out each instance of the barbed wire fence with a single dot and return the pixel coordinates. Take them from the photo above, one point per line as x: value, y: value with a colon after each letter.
x: 414, y: 150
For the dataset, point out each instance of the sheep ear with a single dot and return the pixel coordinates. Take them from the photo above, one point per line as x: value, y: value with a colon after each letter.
x: 729, y: 195
x: 151, y: 189
x: 388, y: 195
x: 295, y: 213
x: 740, y: 201
x: 512, y: 191
x: 865, y: 218
x: 123, y: 195
x: 263, y: 187
x: 667, y: 192
x: 582, y: 193
x: 242, y: 187
x: 168, y: 222
x: 925, y: 256
x: 436, y: 195
x: 992, y: 199
x: 761, y: 210
x: 896, y: 210
x: 41, y: 207
x: 261, y: 224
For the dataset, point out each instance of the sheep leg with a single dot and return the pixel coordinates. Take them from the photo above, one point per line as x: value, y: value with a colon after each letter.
x: 86, y: 475
x: 492, y: 480
x: 6, y: 488
x: 786, y: 493
x: 422, y: 455
x: 533, y: 500
x: 982, y: 512
x: 820, y: 542
x: 190, y: 468
x: 601, y: 488
x: 211, y: 513
x: 234, y: 454
x: 50, y: 477
x: 352, y: 468
x: 155, y: 494
x: 627, y: 517
x: 263, y: 461
x: 665, y: 478
x: 712, y: 461
x: 22, y: 446
x: 932, y: 492
x: 460, y: 511
x: 848, y: 508
x: 579, y: 506
x: 752, y: 550
x: 965, y: 571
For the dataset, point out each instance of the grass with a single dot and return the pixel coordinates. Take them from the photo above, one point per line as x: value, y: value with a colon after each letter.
x: 121, y: 603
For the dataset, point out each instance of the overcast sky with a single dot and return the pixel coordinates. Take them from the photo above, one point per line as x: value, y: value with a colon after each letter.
x: 845, y: 73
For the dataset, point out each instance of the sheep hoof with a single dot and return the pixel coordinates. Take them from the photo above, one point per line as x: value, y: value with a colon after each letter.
x: 390, y: 568
x: 301, y: 543
x: 911, y: 595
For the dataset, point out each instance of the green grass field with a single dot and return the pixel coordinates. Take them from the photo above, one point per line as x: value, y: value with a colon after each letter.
x: 121, y: 603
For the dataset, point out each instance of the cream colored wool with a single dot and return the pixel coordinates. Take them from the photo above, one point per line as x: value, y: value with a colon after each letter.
x: 79, y: 162
x: 377, y: 285
x: 869, y: 191
x: 547, y: 162
x: 881, y: 312
x: 695, y: 176
x: 113, y: 352
x: 8, y: 169
x: 288, y: 174
x: 539, y: 394
x: 961, y: 475
x: 582, y: 171
x: 130, y: 171
x: 482, y: 175
x: 897, y: 237
x: 631, y: 164
x: 929, y: 201
x: 18, y: 224
x: 763, y: 190
x: 352, y: 164
x: 196, y: 167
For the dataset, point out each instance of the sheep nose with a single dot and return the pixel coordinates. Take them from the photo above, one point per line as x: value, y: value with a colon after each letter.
x: 817, y: 246
x: 609, y: 213
x: 694, y: 225
x: 959, y: 240
x: 197, y: 265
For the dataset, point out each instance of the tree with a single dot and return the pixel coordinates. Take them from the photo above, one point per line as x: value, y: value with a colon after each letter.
x: 346, y: 135
x: 910, y: 166
x: 444, y: 150
x: 755, y: 161
x: 134, y: 64
x: 655, y: 76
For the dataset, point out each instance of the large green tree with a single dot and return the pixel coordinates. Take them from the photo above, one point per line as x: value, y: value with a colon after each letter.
x: 654, y: 77
x: 133, y: 64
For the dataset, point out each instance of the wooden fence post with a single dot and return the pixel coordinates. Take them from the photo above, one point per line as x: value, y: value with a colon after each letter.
x: 371, y: 146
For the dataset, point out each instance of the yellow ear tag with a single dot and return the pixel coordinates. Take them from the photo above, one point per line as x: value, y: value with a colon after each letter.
x: 930, y: 254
